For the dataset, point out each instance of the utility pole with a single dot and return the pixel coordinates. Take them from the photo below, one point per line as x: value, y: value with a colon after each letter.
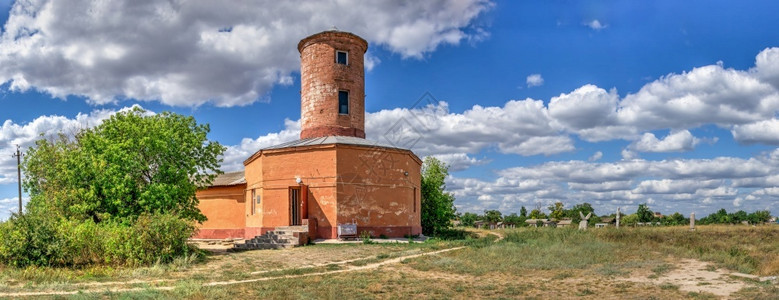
x: 18, y: 156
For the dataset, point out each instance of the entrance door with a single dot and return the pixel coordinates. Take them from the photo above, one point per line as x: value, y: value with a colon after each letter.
x: 295, y: 206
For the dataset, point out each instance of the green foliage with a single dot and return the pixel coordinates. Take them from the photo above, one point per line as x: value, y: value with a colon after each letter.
x: 644, y: 214
x: 437, y: 205
x: 523, y: 212
x: 365, y: 236
x: 493, y: 216
x: 629, y: 220
x: 723, y: 217
x: 556, y: 211
x: 584, y: 208
x: 131, y: 164
x: 537, y: 214
x: 121, y: 193
x: 34, y: 239
x: 513, y: 219
x: 467, y: 219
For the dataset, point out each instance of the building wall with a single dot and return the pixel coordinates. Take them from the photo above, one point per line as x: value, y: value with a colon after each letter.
x: 321, y: 80
x: 253, y: 175
x: 224, y: 207
x: 315, y: 166
x: 375, y: 192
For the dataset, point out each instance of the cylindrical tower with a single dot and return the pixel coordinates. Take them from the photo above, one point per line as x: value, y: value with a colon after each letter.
x: 332, y: 83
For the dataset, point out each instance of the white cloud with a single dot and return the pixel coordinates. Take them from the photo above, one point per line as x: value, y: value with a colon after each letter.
x: 236, y: 154
x: 180, y: 53
x: 534, y: 80
x: 678, y: 141
x: 765, y: 132
x: 596, y: 156
x: 459, y: 161
x: 595, y: 24
x: 586, y: 107
x: 25, y: 135
x: 674, y: 185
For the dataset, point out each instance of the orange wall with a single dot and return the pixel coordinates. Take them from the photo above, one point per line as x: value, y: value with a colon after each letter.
x: 376, y: 193
x: 345, y: 184
x: 315, y: 166
x: 223, y: 206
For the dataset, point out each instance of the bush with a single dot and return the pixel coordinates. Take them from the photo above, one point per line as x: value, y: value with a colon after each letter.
x: 34, y: 240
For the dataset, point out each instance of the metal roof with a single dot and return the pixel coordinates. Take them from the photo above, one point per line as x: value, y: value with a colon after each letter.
x: 232, y: 178
x: 348, y: 140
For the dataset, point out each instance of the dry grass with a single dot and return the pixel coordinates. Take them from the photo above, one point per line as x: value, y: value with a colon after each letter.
x: 527, y: 263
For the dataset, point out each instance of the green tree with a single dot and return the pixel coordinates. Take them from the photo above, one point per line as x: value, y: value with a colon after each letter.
x: 513, y: 219
x: 437, y: 204
x: 644, y: 214
x: 556, y: 211
x: 523, y: 212
x: 585, y: 208
x: 630, y: 220
x: 537, y: 214
x: 467, y: 219
x: 493, y: 216
x: 132, y: 163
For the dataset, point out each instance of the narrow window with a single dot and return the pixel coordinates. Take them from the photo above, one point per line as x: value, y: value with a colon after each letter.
x: 415, y: 199
x: 342, y: 57
x: 343, y: 102
x: 253, y: 203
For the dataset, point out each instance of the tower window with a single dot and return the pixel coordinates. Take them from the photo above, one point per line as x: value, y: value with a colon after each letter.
x: 343, y: 102
x: 342, y: 57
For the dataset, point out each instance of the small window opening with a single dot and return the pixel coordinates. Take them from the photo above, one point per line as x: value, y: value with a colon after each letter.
x: 343, y: 102
x: 253, y: 205
x: 342, y: 57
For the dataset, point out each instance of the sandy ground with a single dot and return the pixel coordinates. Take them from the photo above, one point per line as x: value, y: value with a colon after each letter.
x: 692, y: 275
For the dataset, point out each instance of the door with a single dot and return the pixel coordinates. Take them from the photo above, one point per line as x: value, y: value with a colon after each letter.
x: 295, y: 206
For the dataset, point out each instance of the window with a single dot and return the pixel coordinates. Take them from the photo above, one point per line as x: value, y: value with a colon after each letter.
x: 343, y: 102
x: 415, y: 199
x: 342, y: 57
x: 253, y: 205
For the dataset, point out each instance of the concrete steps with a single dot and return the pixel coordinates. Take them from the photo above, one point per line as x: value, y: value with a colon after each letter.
x: 279, y: 238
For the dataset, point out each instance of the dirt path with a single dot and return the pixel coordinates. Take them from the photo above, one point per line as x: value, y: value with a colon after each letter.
x: 229, y: 282
x: 691, y: 275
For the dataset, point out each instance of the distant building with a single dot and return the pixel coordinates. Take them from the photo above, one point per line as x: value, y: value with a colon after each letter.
x: 605, y: 222
x: 543, y: 222
x: 564, y: 223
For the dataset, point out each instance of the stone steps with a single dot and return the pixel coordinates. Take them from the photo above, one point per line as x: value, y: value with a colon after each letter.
x: 279, y: 238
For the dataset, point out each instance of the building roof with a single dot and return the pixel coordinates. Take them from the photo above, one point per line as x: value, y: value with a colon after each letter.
x: 226, y: 179
x: 607, y: 220
x: 565, y: 222
x: 326, y: 140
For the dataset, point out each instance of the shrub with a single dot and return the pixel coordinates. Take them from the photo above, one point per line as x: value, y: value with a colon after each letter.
x: 34, y: 240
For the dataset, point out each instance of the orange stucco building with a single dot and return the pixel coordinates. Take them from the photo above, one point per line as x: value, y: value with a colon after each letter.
x: 332, y: 175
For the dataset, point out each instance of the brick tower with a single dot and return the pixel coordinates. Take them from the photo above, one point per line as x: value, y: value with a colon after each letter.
x: 332, y: 101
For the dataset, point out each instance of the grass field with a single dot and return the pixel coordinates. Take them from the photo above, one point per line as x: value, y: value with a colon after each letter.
x: 630, y: 263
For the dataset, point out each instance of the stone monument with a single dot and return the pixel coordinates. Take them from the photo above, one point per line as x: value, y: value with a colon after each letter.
x: 583, y: 222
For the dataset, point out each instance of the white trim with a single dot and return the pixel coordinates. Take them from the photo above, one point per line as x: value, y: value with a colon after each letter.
x: 345, y: 52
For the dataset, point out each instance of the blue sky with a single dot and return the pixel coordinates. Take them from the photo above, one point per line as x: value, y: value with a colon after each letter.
x: 616, y: 103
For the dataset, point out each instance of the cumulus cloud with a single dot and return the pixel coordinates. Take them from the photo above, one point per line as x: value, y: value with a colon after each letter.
x: 679, y: 184
x: 25, y: 135
x: 236, y: 154
x: 678, y: 141
x: 595, y: 24
x: 765, y: 132
x: 180, y: 53
x: 586, y: 107
x: 459, y: 161
x: 596, y: 156
x: 534, y: 80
